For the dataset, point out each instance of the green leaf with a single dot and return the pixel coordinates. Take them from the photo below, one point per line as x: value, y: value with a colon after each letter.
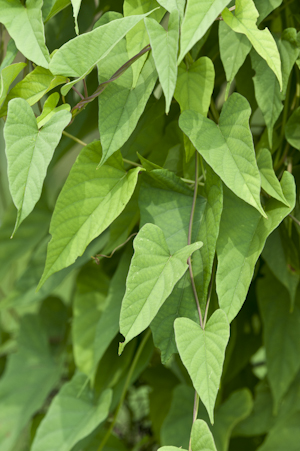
x: 265, y: 7
x: 121, y: 105
x: 105, y: 195
x: 147, y: 289
x: 49, y: 109
x: 77, y: 57
x: 73, y: 414
x: 34, y: 364
x: 197, y: 21
x: 24, y: 24
x: 285, y: 436
x: 292, y: 129
x: 228, y: 148
x: 244, y: 21
x: 289, y: 51
x: 195, y: 85
x: 234, y: 48
x: 269, y: 181
x: 7, y: 76
x: 11, y: 53
x: 201, y: 437
x: 267, y: 93
x: 202, y: 353
x: 164, y: 45
x: 33, y: 87
x: 243, y: 233
x: 281, y: 334
x: 171, y: 5
x: 29, y: 152
x: 76, y: 7
x: 137, y: 38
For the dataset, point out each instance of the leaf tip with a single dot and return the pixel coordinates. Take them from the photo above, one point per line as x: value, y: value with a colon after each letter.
x: 121, y: 347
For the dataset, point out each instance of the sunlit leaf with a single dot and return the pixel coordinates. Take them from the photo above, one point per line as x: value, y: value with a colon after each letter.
x: 201, y: 437
x: 7, y: 76
x: 50, y: 109
x: 269, y: 181
x: 76, y: 7
x: 11, y: 53
x: 171, y: 5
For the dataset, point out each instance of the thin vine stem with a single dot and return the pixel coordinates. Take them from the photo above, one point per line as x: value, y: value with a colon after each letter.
x: 74, y: 138
x: 195, y: 414
x: 125, y: 388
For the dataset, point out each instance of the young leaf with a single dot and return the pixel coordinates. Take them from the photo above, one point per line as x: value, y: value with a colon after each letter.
x: 49, y: 109
x: 76, y: 7
x: 202, y: 353
x: 197, y: 21
x: 244, y: 21
x: 7, y: 76
x: 292, y: 129
x: 243, y: 233
x: 281, y: 334
x: 29, y: 152
x: 80, y: 215
x: 164, y: 45
x: 269, y: 180
x: 24, y: 24
x: 72, y: 415
x: 77, y: 57
x: 152, y: 275
x: 228, y: 149
x: 201, y: 437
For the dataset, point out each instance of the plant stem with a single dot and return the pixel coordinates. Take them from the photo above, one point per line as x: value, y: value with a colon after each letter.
x: 294, y: 219
x: 125, y: 388
x: 74, y: 138
x: 214, y: 111
x: 137, y: 165
x: 195, y: 414
x: 209, y: 291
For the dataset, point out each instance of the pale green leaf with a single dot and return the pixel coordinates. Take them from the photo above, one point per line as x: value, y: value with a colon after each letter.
x: 197, y: 21
x: 138, y: 38
x: 284, y: 436
x: 201, y: 437
x: 170, y: 448
x: 10, y: 54
x: 171, y: 5
x: 33, y: 87
x: 34, y: 364
x: 281, y: 334
x: 243, y: 233
x: 234, y: 48
x: 73, y: 414
x: 292, y: 129
x: 105, y: 195
x: 195, y: 85
x: 76, y: 7
x: 29, y: 152
x: 49, y: 109
x: 265, y: 7
x: 152, y: 276
x: 269, y: 180
x: 228, y: 148
x: 24, y: 24
x: 267, y: 93
x: 121, y: 105
x: 202, y: 353
x: 7, y: 76
x: 244, y: 21
x: 164, y: 45
x: 77, y: 57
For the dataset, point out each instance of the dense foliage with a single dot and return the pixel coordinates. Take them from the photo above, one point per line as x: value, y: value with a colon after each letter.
x: 149, y: 171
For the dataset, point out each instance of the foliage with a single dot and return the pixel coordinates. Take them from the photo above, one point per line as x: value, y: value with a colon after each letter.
x: 149, y: 225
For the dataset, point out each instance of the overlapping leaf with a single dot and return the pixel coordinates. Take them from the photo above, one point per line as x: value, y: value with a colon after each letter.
x: 244, y: 21
x: 29, y: 152
x: 243, y: 233
x: 164, y: 45
x: 269, y: 181
x: 7, y: 76
x: 11, y: 53
x: 171, y: 5
x: 292, y: 129
x: 76, y: 7
x: 228, y: 149
x: 197, y: 21
x: 72, y: 415
x: 152, y: 276
x: 24, y: 24
x: 202, y: 353
x: 88, y: 203
x: 50, y: 109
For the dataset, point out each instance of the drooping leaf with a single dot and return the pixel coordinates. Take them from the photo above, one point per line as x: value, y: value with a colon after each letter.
x: 197, y: 21
x: 269, y: 181
x: 243, y: 233
x: 29, y: 152
x: 164, y: 45
x: 202, y: 353
x: 7, y: 76
x: 121, y: 105
x: 73, y: 414
x: 281, y: 334
x: 34, y: 363
x: 292, y: 129
x: 33, y: 87
x: 171, y: 5
x: 228, y: 148
x: 50, y: 109
x: 152, y: 275
x: 11, y: 53
x: 24, y: 24
x: 137, y: 38
x: 77, y: 57
x: 201, y: 437
x: 76, y: 7
x: 74, y: 227
x: 244, y: 21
